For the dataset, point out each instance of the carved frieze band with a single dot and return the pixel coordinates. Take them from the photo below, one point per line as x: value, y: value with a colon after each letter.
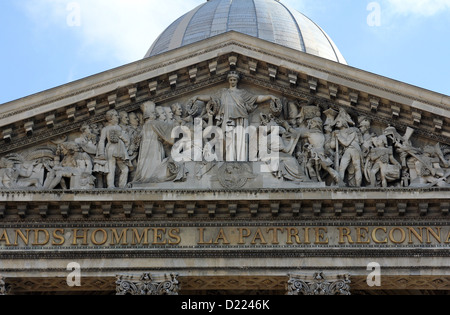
x: 233, y: 282
x: 147, y: 284
x: 319, y: 285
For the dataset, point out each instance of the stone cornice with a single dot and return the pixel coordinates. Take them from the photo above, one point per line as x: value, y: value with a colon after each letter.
x: 140, y: 72
x: 401, y: 125
x: 328, y: 193
x: 330, y: 203
x: 220, y: 253
x: 331, y: 71
x: 73, y: 126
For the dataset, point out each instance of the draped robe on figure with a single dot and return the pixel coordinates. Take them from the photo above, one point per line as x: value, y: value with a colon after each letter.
x: 152, y: 156
x: 234, y: 108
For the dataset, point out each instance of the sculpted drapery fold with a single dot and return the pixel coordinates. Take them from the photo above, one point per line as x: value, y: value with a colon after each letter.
x: 289, y: 140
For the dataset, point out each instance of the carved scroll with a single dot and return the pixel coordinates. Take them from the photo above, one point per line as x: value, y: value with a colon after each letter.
x: 318, y: 285
x: 4, y: 288
x: 147, y: 285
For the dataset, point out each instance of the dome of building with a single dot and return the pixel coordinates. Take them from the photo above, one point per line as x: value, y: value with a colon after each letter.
x: 270, y: 20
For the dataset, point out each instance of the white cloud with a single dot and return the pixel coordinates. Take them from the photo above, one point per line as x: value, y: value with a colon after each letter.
x: 424, y: 8
x: 122, y: 29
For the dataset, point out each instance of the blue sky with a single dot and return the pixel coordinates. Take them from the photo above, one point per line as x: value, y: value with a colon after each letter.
x: 47, y: 43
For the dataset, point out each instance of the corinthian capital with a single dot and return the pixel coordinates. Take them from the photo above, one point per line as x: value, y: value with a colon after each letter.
x: 146, y: 284
x: 4, y: 288
x: 318, y: 285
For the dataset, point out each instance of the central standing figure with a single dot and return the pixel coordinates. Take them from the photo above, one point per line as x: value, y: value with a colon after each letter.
x: 232, y: 107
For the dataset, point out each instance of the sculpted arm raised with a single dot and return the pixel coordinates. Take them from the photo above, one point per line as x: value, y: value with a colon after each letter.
x: 265, y: 98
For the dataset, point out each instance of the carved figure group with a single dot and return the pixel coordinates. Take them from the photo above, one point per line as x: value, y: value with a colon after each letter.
x: 309, y: 143
x: 231, y: 108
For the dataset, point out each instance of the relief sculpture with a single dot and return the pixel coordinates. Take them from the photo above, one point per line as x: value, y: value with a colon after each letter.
x: 112, y: 148
x: 230, y: 138
x: 231, y: 113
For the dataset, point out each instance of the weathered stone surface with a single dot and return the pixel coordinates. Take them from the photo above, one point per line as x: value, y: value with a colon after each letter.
x: 367, y: 186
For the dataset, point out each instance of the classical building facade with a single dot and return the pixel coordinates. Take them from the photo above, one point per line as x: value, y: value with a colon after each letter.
x: 241, y: 155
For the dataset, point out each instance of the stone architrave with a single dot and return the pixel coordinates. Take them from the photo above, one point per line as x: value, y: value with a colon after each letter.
x: 318, y: 285
x: 147, y: 285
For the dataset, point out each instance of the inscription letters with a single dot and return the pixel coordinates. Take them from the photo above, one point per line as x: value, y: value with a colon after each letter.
x: 223, y: 236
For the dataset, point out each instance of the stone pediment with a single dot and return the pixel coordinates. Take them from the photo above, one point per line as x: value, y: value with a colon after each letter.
x: 293, y: 121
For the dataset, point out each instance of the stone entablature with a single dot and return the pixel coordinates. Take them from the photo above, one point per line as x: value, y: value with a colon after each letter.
x: 240, y: 237
x: 277, y: 236
x: 362, y: 169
